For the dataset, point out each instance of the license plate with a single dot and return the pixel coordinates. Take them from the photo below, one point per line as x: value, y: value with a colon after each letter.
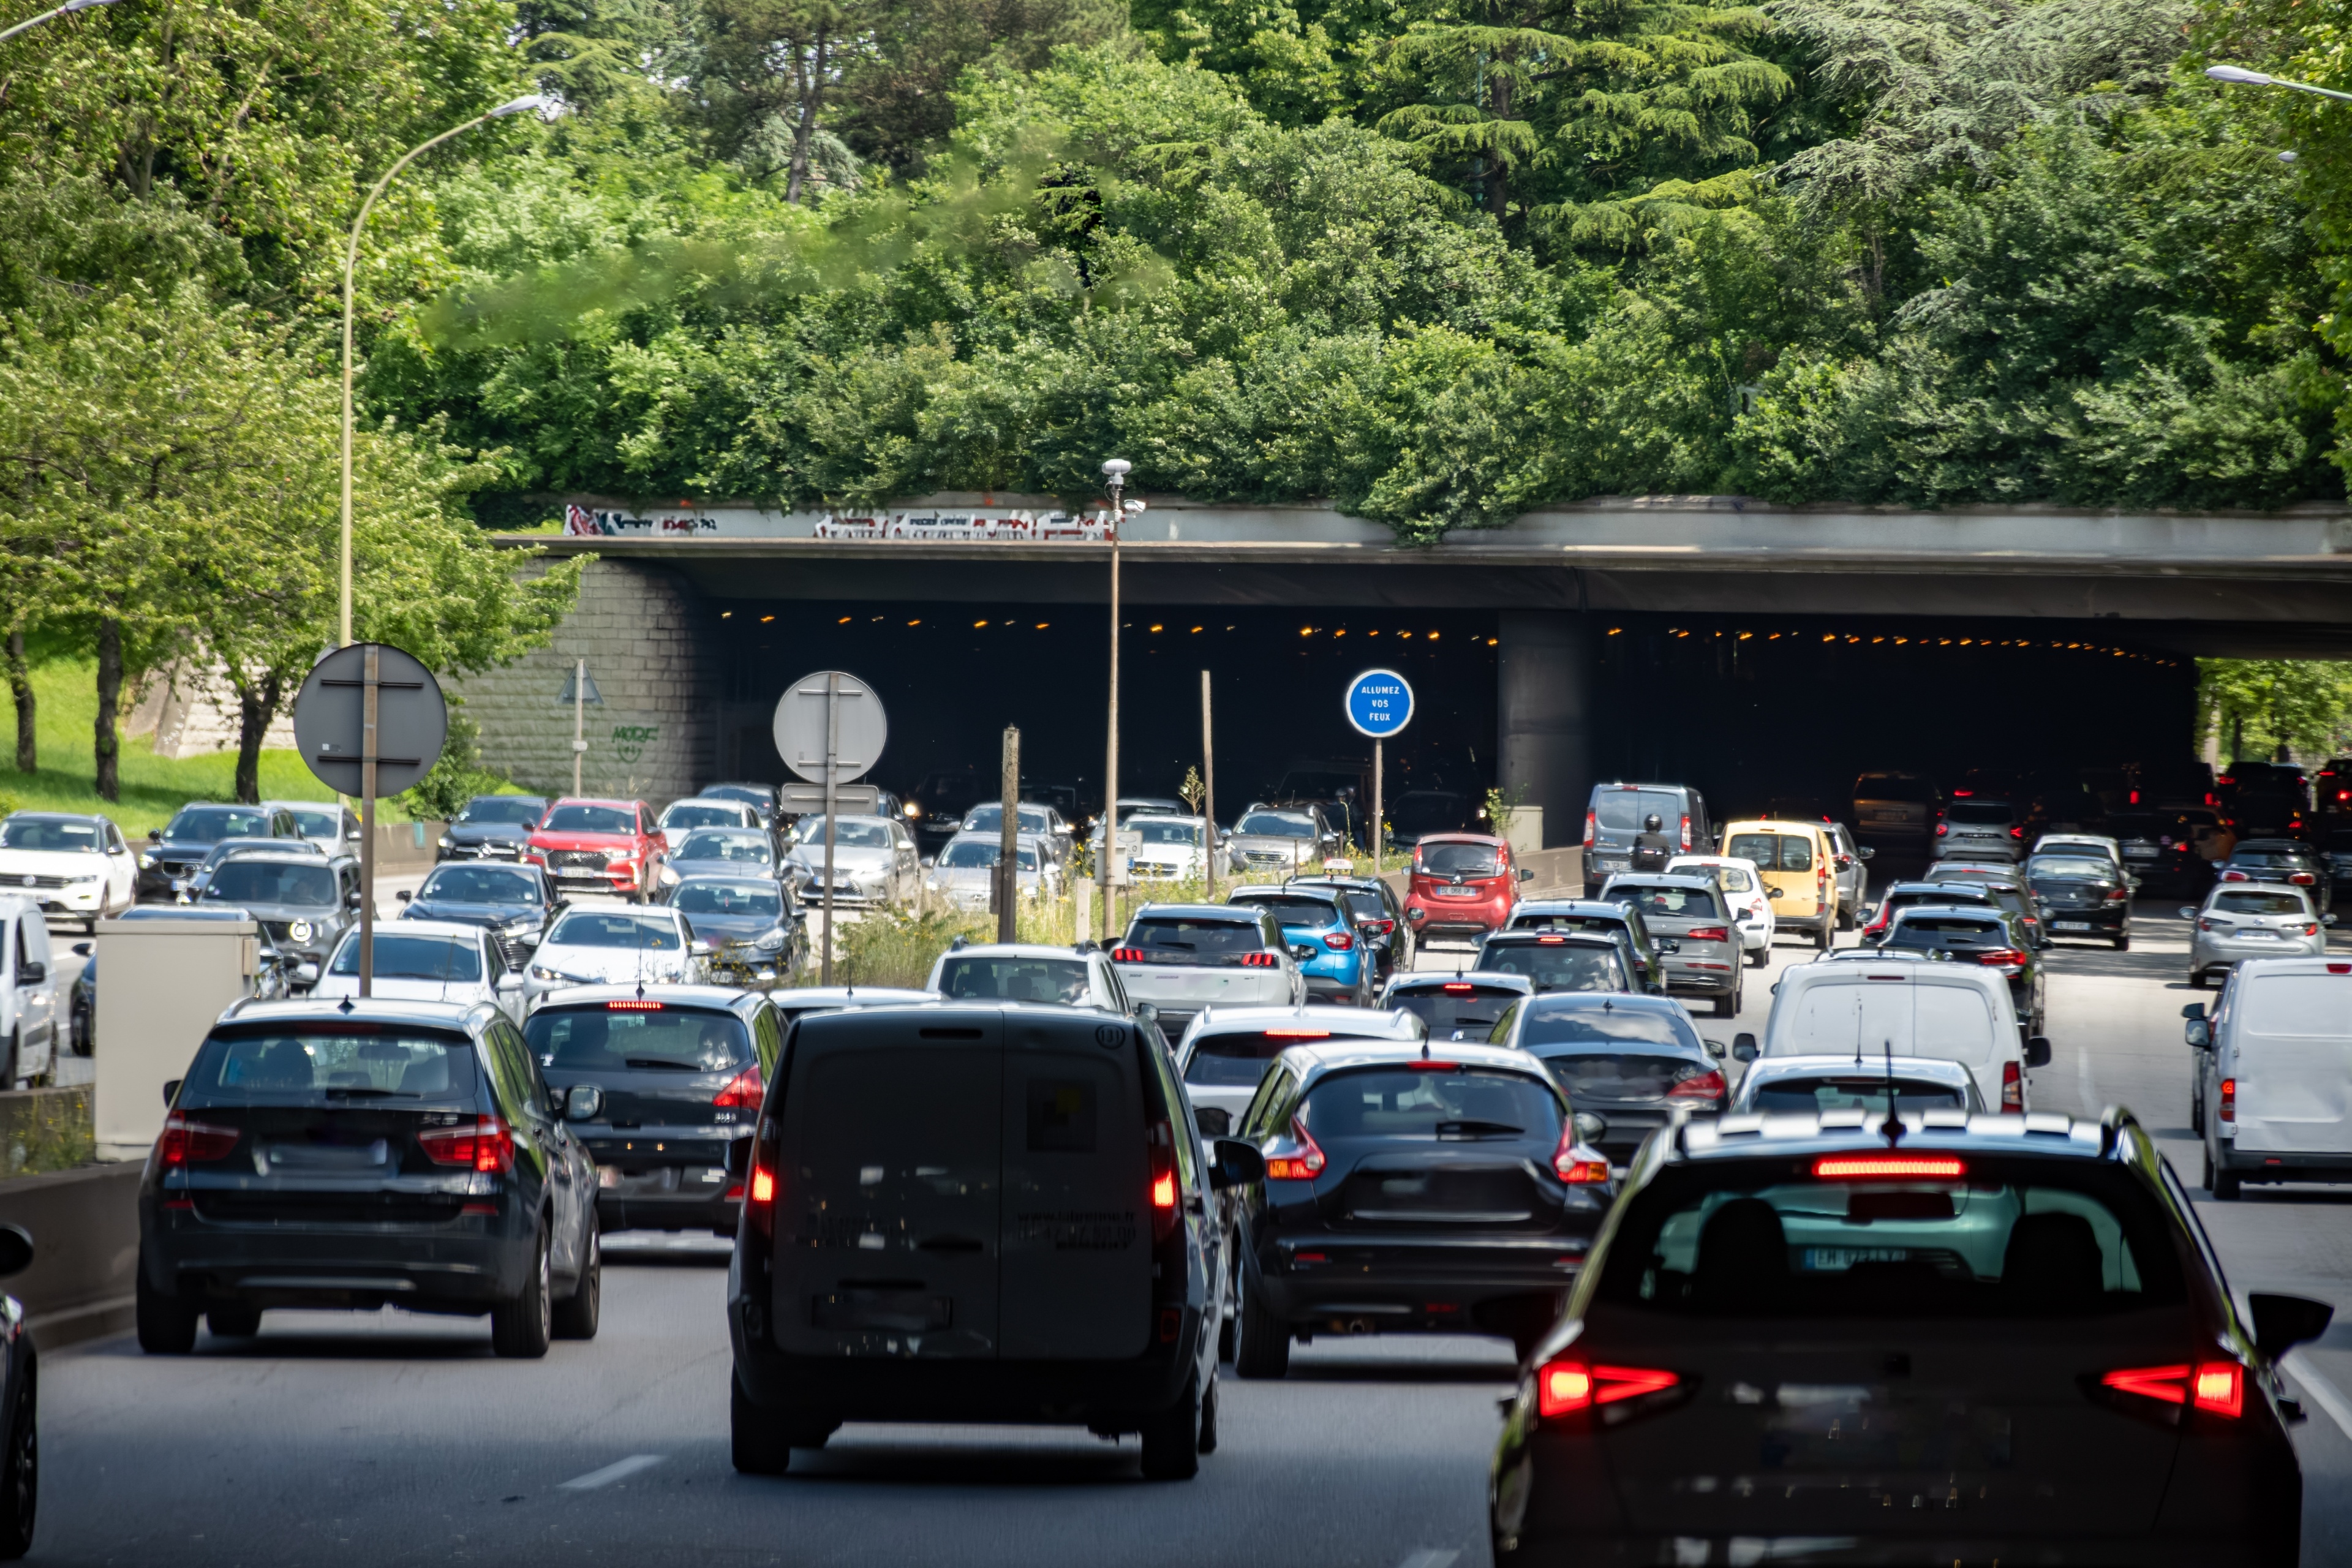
x: 2256, y: 933
x: 1458, y: 892
x: 2070, y: 925
x: 2140, y: 851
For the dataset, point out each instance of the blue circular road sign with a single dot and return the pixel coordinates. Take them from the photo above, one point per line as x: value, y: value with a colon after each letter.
x: 1380, y: 703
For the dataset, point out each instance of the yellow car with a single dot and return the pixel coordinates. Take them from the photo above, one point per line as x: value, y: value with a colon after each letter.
x: 1798, y: 866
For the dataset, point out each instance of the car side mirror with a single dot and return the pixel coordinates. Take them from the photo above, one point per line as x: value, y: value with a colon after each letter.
x: 170, y: 1091
x: 16, y: 1250
x: 1526, y: 875
x: 1846, y: 862
x: 508, y: 980
x: 306, y: 972
x: 701, y: 949
x: 1590, y: 1125
x: 1772, y: 892
x: 404, y: 895
x: 739, y: 1158
x: 81, y: 949
x: 32, y: 971
x: 2283, y: 1322
x: 2327, y: 919
x: 1743, y: 1048
x: 1238, y: 1164
x: 1867, y: 854
x: 2193, y: 1010
x: 2037, y: 1051
x: 155, y: 836
x: 582, y: 1103
x: 930, y: 862
x: 2198, y: 1032
x: 1715, y: 1048
x: 1213, y: 1121
x: 2188, y: 913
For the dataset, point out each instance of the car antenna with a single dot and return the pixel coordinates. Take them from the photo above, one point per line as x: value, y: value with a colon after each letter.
x: 1893, y: 1126
x: 346, y: 1006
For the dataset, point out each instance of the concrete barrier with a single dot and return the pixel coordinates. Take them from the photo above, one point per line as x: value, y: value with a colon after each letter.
x: 85, y: 1230
x: 405, y: 847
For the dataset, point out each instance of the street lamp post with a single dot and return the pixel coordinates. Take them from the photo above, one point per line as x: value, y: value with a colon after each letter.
x: 1115, y: 472
x: 351, y: 263
x: 66, y: 9
x: 2239, y: 76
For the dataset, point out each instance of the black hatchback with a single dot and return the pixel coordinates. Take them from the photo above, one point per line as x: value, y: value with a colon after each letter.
x: 1407, y: 1192
x: 2081, y: 897
x: 1634, y: 1062
x: 362, y: 1155
x: 679, y: 1074
x: 1802, y: 1340
x: 2289, y: 861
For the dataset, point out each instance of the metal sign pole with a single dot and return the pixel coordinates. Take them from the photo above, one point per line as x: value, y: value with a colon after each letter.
x: 579, y: 722
x: 1111, y: 754
x: 831, y: 805
x: 1208, y: 792
x: 1376, y: 808
x: 1008, y: 841
x: 369, y: 710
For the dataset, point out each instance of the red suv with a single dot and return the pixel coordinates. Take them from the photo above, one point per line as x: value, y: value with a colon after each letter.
x: 1463, y: 884
x: 599, y: 847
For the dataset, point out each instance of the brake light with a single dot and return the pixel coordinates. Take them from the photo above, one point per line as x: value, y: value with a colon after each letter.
x: 1708, y: 933
x: 1566, y: 1386
x: 633, y: 1005
x: 2218, y: 1386
x: 745, y: 1090
x: 185, y: 1141
x: 1380, y: 928
x: 1338, y: 941
x: 2228, y: 1112
x: 1889, y: 1167
x: 1942, y: 828
x: 764, y: 1185
x: 1260, y: 961
x: 2007, y: 957
x: 2308, y: 929
x: 2303, y: 879
x: 1588, y: 829
x: 1127, y: 955
x: 2012, y: 1086
x: 1301, y: 1160
x: 1458, y: 988
x: 2017, y: 832
x: 2117, y: 895
x: 2235, y: 876
x: 1552, y: 940
x: 1685, y: 834
x: 1425, y: 1064
x: 1297, y: 1034
x: 1708, y: 1085
x: 486, y: 1144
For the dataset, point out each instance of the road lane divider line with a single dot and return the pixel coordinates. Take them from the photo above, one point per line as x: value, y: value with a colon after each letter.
x: 2323, y: 1393
x: 619, y: 1470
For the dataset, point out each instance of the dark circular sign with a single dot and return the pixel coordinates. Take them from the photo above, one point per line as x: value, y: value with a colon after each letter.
x: 412, y: 721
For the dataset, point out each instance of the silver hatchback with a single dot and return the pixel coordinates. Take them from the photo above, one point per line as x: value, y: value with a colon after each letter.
x: 2252, y: 920
x: 1698, y: 946
x: 1981, y: 829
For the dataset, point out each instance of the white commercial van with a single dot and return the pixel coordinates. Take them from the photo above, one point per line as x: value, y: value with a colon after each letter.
x: 2278, y: 1097
x: 1960, y: 1013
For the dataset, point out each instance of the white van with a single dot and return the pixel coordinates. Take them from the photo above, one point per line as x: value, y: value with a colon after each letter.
x: 2278, y: 1098
x: 32, y: 1019
x: 1960, y: 1013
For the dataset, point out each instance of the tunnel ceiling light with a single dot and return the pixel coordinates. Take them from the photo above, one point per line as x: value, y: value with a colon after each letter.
x: 1341, y: 633
x: 977, y: 624
x: 842, y: 622
x: 1900, y: 641
x: 1492, y: 642
x: 1196, y: 629
x: 765, y: 619
x: 1155, y: 627
x: 1043, y: 624
x: 725, y: 615
x: 1404, y: 634
x: 1745, y: 635
x: 916, y: 622
x: 1432, y: 636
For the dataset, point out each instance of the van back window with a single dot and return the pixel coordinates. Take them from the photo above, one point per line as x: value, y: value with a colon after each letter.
x: 1237, y: 1058
x: 1980, y: 813
x: 329, y: 1064
x: 1624, y: 810
x: 2310, y: 1005
x: 1772, y: 851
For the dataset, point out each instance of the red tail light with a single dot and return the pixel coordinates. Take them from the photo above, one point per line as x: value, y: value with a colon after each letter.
x: 1708, y: 933
x: 2134, y: 799
x: 1889, y: 1167
x: 185, y: 1141
x: 1588, y: 829
x: 745, y: 1090
x: 1163, y: 1180
x: 759, y: 1202
x: 1577, y: 1166
x: 2017, y: 832
x: 2117, y: 895
x: 2228, y: 1112
x: 1685, y: 832
x: 1338, y: 941
x: 2235, y: 876
x: 2005, y: 957
x: 2308, y: 929
x: 1127, y: 955
x: 1260, y: 961
x: 633, y: 1005
x: 2012, y: 1086
x: 1299, y: 1160
x: 2303, y: 879
x: 1380, y: 928
x: 1942, y: 828
x: 2218, y: 1386
x: 1708, y: 1085
x: 1458, y: 988
x: 1563, y: 1387
x: 1427, y: 1064
x: 485, y: 1144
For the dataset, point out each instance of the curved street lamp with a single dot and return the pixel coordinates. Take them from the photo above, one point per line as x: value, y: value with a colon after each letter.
x: 350, y: 262
x: 2239, y: 76
x: 66, y: 9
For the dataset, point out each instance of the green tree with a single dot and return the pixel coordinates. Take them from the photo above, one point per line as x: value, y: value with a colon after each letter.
x: 2283, y: 704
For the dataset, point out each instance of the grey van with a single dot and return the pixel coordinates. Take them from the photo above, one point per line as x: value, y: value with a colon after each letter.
x: 1896, y: 810
x: 978, y: 1213
x: 1613, y: 818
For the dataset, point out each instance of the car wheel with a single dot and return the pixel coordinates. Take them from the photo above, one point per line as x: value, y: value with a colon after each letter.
x: 576, y: 1314
x: 1208, y: 1443
x: 1760, y: 957
x: 2123, y: 943
x: 522, y: 1327
x: 1822, y: 937
x: 1228, y: 1319
x: 755, y: 1443
x: 1728, y: 1007
x: 167, y: 1325
x: 237, y: 1322
x: 20, y: 1474
x: 1171, y: 1439
x: 1261, y: 1341
x: 2197, y: 980
x: 2226, y: 1187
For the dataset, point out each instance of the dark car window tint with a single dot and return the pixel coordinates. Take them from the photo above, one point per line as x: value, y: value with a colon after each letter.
x: 1058, y: 980
x: 683, y: 816
x: 1459, y: 1004
x: 1593, y: 1024
x: 1929, y: 932
x: 1313, y: 913
x: 1772, y: 851
x: 590, y: 819
x: 1806, y: 1095
x: 444, y: 958
x: 1674, y: 903
x: 1460, y: 861
x: 327, y: 1064
x: 595, y: 928
x: 51, y: 835
x: 741, y: 848
x: 479, y: 885
x: 503, y: 811
x: 1230, y: 1058
x: 2012, y: 1238
x: 1555, y: 968
x: 1179, y: 937
x: 1594, y: 925
x: 600, y: 1040
x: 728, y: 899
x: 2067, y: 867
x: 268, y: 882
x: 1621, y: 1075
x: 1275, y: 824
x: 210, y: 825
x: 1622, y: 810
x: 1400, y: 1102
x: 2258, y: 903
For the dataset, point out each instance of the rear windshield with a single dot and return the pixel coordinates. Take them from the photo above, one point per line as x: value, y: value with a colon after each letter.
x: 671, y: 1039
x: 1772, y: 851
x: 610, y: 928
x: 741, y: 848
x: 2241, y: 856
x: 442, y: 958
x: 1585, y: 1024
x: 211, y: 824
x: 1734, y: 878
x: 480, y: 884
x: 1622, y: 810
x: 1672, y: 903
x: 1925, y: 932
x: 1461, y: 859
x: 1590, y: 925
x: 1458, y: 1004
x: 1275, y: 824
x: 1293, y: 911
x: 2069, y: 867
x: 502, y: 810
x: 1005, y: 979
x: 969, y: 854
x: 51, y: 835
x: 2010, y: 1239
x: 1850, y: 1091
x: 1237, y: 1058
x: 684, y: 816
x: 272, y: 882
x: 1179, y: 938
x: 1979, y: 813
x: 590, y: 819
x: 1400, y: 1102
x: 2258, y: 903
x: 1904, y: 900
x: 1622, y: 1075
x: 728, y: 899
x: 1892, y: 786
x: 1562, y: 968
x: 1151, y: 831
x: 329, y: 1064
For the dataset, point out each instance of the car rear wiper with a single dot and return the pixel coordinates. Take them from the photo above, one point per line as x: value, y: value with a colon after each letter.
x: 1475, y: 1129
x: 662, y: 1063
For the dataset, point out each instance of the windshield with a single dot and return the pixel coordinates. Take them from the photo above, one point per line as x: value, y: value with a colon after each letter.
x: 272, y: 882
x: 479, y: 885
x: 1276, y: 825
x: 849, y: 834
x: 657, y: 1039
x: 2010, y: 1238
x: 444, y: 958
x: 1624, y: 810
x: 1772, y: 851
x: 1672, y: 903
x: 1010, y: 979
x: 1458, y: 1004
x: 318, y: 824
x: 1402, y: 1102
x: 1237, y: 1058
x: 1177, y: 937
x: 2238, y: 903
x: 1558, y: 1025
x: 743, y: 898
x: 610, y: 928
x: 2070, y: 868
x: 1158, y: 830
x: 1310, y: 913
x: 741, y: 848
x: 965, y: 854
x: 1460, y: 859
x: 990, y: 819
x: 1627, y: 1075
x: 685, y: 814
x: 211, y: 824
x: 328, y: 1064
x: 1851, y: 1092
x: 52, y: 834
x: 591, y: 819
x: 1561, y: 968
x: 502, y: 810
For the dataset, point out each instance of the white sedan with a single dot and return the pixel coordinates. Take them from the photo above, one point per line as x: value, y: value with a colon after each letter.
x: 1744, y: 890
x: 427, y: 960
x: 70, y: 865
x: 612, y: 943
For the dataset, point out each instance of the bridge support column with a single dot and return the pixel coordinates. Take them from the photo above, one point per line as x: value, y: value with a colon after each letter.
x: 1544, y: 716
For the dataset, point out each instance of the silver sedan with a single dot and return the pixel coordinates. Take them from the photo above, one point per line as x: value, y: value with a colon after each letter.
x: 2252, y: 920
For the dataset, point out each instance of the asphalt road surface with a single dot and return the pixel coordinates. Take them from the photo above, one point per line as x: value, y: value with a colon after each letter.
x: 393, y: 1439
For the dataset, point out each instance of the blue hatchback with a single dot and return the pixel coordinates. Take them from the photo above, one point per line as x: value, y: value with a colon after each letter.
x: 1342, y: 969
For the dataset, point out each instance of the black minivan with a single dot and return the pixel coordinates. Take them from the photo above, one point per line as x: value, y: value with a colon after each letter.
x: 978, y: 1213
x: 363, y: 1155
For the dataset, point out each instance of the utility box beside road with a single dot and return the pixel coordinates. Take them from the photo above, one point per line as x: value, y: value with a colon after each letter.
x: 160, y: 983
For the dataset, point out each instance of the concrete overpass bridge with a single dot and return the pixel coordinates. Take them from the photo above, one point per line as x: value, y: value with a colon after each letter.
x: 1682, y: 635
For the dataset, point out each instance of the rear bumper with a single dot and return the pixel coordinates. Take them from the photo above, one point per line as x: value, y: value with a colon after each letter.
x: 1409, y: 1284
x: 465, y: 1266
x: 2060, y: 924
x: 2280, y: 1165
x: 1330, y: 986
x: 2169, y: 1550
x: 1686, y: 975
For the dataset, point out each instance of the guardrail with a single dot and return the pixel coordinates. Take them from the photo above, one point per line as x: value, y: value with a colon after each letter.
x: 85, y: 1229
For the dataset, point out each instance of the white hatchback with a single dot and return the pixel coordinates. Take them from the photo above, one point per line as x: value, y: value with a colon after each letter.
x: 427, y: 960
x: 606, y: 943
x: 1744, y: 889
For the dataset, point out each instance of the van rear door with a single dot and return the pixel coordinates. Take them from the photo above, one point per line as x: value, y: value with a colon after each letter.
x: 1077, y: 1269
x: 887, y: 1223
x: 2292, y: 1050
x: 1895, y: 1011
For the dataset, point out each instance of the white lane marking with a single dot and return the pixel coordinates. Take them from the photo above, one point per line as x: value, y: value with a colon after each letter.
x: 619, y: 1470
x: 1432, y: 1557
x: 2090, y: 1103
x: 2326, y: 1395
